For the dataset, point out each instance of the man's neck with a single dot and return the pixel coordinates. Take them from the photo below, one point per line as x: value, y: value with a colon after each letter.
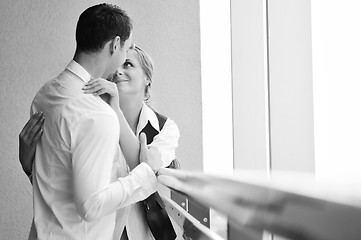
x: 93, y: 63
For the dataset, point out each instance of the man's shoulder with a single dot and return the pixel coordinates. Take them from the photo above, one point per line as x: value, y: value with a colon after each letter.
x: 71, y: 105
x: 46, y: 88
x: 89, y: 115
x: 91, y: 105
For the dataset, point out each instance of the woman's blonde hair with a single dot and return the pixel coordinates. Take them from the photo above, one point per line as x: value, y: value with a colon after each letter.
x: 147, y: 65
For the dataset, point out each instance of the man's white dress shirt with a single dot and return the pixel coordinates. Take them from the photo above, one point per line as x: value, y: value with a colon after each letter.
x: 80, y: 176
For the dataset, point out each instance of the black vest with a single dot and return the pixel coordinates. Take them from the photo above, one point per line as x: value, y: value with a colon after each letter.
x: 157, y: 217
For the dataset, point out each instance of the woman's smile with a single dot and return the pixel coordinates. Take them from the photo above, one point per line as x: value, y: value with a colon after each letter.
x: 118, y: 78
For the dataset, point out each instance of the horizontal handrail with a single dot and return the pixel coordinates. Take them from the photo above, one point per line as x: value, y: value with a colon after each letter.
x: 291, y: 206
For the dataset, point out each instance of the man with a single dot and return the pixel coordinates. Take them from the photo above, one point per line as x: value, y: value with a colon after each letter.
x: 75, y: 180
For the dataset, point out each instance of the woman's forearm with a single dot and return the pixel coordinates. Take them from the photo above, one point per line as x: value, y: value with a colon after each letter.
x: 128, y: 142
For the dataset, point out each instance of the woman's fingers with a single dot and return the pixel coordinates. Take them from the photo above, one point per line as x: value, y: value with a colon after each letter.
x: 100, y: 86
x: 36, y: 130
x: 28, y: 138
x: 93, y: 82
x: 100, y: 92
x: 37, y: 136
x: 97, y: 90
x: 35, y: 120
x: 31, y: 122
x: 93, y: 88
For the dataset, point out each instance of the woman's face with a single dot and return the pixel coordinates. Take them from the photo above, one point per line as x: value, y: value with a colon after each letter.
x: 130, y: 77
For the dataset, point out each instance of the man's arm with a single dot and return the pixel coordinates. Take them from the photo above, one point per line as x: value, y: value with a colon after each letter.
x: 94, y: 147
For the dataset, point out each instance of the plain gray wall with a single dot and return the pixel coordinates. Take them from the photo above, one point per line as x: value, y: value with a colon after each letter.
x: 37, y: 42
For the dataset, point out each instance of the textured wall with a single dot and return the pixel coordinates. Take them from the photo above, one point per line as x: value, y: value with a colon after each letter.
x: 37, y: 41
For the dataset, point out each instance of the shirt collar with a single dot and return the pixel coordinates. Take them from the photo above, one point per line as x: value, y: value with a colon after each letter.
x: 147, y: 114
x: 78, y: 70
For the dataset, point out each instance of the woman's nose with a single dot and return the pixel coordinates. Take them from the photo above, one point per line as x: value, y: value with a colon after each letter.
x: 115, y: 75
x: 118, y: 72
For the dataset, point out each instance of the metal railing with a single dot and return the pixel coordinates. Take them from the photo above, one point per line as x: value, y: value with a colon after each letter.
x: 293, y: 206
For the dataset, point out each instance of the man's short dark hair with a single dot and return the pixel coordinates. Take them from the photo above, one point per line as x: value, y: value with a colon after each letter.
x: 99, y: 24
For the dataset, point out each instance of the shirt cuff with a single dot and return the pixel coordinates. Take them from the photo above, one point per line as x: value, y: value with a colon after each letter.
x: 138, y: 185
x: 143, y: 169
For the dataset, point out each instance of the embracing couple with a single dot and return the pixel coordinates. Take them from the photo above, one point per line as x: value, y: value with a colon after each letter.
x: 93, y: 146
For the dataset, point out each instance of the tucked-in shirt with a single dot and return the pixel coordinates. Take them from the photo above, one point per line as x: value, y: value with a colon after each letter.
x: 164, y: 144
x: 80, y: 177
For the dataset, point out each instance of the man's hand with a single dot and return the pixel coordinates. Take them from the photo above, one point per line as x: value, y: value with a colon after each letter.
x: 28, y: 138
x: 149, y: 155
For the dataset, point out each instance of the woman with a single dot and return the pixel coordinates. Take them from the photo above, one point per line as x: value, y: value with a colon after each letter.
x: 133, y: 81
x: 127, y: 93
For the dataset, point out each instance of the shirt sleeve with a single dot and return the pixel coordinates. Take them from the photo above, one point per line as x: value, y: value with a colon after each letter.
x: 166, y: 142
x: 94, y: 149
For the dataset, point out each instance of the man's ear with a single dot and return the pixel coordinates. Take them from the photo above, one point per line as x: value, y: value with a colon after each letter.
x: 114, y: 44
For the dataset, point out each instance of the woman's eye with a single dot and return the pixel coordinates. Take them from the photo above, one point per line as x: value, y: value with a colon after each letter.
x: 127, y: 64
